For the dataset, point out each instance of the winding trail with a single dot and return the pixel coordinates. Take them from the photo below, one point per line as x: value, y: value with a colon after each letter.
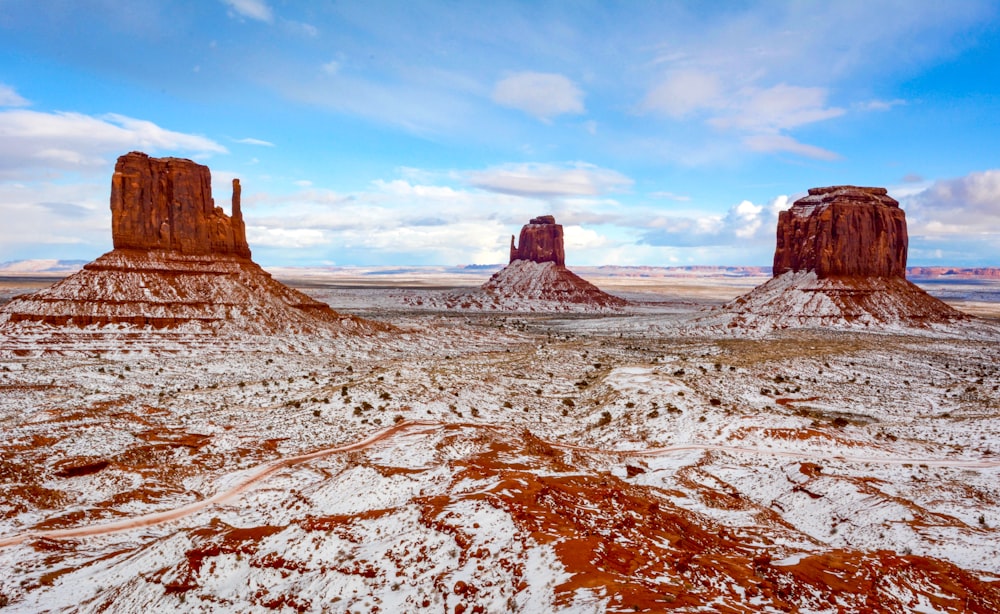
x: 425, y: 426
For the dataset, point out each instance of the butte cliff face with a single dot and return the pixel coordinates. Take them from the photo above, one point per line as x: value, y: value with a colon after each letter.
x: 166, y: 204
x: 840, y: 259
x: 541, y: 241
x: 843, y: 231
x: 180, y: 263
x: 537, y: 278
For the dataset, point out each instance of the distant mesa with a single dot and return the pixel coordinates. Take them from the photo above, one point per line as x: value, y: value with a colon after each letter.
x: 537, y: 278
x: 840, y: 259
x: 179, y: 262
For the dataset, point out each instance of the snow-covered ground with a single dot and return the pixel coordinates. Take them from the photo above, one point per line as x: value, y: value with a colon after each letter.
x: 523, y: 462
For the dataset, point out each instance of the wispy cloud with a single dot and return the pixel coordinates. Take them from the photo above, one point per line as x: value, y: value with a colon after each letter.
x: 879, y: 105
x: 549, y: 180
x: 541, y: 95
x: 74, y: 141
x: 10, y: 98
x: 251, y: 9
x: 770, y: 143
x: 252, y: 141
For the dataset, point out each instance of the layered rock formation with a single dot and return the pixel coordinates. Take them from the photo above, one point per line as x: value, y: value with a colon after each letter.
x: 166, y: 204
x: 179, y: 263
x: 535, y: 280
x: 840, y: 259
x: 541, y: 241
x: 843, y: 231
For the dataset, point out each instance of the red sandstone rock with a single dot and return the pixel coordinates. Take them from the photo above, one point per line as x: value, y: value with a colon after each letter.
x: 843, y: 231
x: 179, y: 263
x: 166, y: 204
x: 840, y: 261
x: 541, y: 241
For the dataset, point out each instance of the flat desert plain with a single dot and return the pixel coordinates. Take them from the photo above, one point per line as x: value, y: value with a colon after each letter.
x: 470, y: 461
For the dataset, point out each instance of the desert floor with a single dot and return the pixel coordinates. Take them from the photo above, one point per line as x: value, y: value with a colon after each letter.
x: 472, y: 461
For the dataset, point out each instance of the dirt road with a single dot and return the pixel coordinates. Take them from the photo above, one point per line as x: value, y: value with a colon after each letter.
x: 410, y: 427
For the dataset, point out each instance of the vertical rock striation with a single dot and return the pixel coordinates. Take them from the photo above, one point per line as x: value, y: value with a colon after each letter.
x: 843, y: 231
x: 541, y: 241
x: 166, y: 204
x: 179, y: 263
x: 840, y: 261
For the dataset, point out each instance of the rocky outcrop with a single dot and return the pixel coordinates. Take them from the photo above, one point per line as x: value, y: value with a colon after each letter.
x: 166, y: 204
x: 179, y: 263
x: 541, y: 241
x: 536, y: 280
x: 843, y: 231
x: 840, y: 261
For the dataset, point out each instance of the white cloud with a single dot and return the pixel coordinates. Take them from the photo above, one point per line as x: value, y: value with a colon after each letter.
x: 879, y: 105
x: 10, y: 98
x: 745, y: 219
x: 74, y: 141
x: 578, y: 239
x: 252, y: 9
x: 968, y: 205
x: 775, y: 108
x: 743, y: 224
x: 547, y: 180
x: 670, y: 196
x: 42, y: 219
x: 768, y: 143
x: 251, y: 141
x: 683, y: 93
x: 291, y: 238
x: 331, y: 68
x: 542, y: 95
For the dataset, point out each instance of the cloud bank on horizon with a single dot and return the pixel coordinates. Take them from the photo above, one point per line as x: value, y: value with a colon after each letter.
x: 658, y: 134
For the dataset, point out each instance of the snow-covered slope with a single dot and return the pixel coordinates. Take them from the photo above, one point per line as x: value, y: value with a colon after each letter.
x: 800, y: 299
x: 501, y: 462
x: 148, y: 290
x: 527, y: 286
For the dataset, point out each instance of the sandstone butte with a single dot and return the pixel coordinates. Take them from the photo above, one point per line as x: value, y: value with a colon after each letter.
x: 537, y: 272
x: 179, y: 262
x: 840, y: 258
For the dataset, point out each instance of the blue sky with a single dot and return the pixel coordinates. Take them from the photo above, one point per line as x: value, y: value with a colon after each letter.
x: 657, y: 133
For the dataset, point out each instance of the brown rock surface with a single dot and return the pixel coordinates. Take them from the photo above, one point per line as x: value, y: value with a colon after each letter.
x: 541, y: 241
x: 843, y: 231
x: 166, y: 204
x: 179, y: 263
x: 840, y: 261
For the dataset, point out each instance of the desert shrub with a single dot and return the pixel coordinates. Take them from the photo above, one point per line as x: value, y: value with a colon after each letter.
x: 715, y: 402
x: 605, y: 418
